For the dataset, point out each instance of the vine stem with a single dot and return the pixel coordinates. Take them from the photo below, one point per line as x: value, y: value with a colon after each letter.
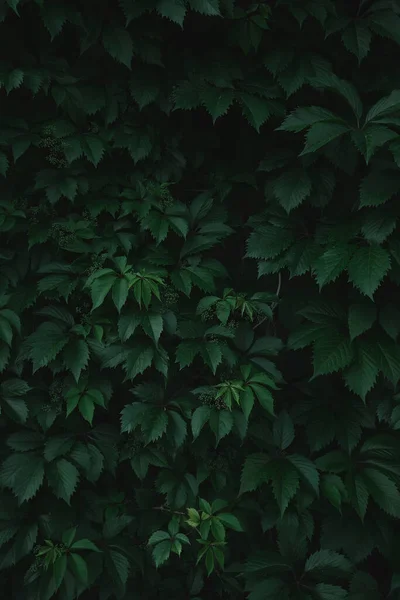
x: 274, y: 305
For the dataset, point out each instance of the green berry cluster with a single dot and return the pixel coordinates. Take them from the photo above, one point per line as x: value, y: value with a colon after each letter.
x: 62, y: 235
x: 55, y: 147
x: 207, y: 315
x: 48, y: 407
x: 169, y: 296
x: 162, y: 193
x: 94, y: 128
x: 209, y: 399
x: 97, y: 263
x: 218, y: 463
x: 133, y: 445
x: 56, y: 391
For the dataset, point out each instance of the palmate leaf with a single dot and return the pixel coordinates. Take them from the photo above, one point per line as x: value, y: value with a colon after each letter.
x: 174, y: 10
x: 46, y: 343
x: 321, y: 134
x: 285, y: 482
x: 254, y: 472
x: 361, y: 318
x: 383, y: 491
x: 63, y: 477
x: 118, y: 43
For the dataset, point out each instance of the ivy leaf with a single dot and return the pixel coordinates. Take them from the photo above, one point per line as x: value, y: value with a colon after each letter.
x: 326, y: 591
x: 357, y: 39
x: 118, y: 43
x: 154, y: 424
x: 100, y: 288
x: 378, y: 187
x: 368, y: 267
x: 120, y: 291
x: 161, y: 552
x: 212, y: 355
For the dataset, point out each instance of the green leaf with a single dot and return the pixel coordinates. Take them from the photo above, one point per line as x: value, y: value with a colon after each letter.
x: 378, y: 187
x: 45, y: 344
x: 331, y: 354
x: 100, y: 288
x: 332, y: 263
x: 85, y: 544
x: 361, y: 318
x: 221, y: 423
x: 283, y: 430
x: 23, y: 474
x: 161, y: 552
x: 154, y: 424
x: 320, y: 134
x: 327, y: 563
x: 389, y: 319
x: 256, y: 110
x: 383, y: 491
x: 384, y: 106
x: 78, y: 567
x: 120, y: 291
x: 230, y: 521
x: 76, y: 357
x: 217, y: 101
x: 292, y: 188
x: 212, y: 355
x: 205, y: 7
x: 368, y: 267
x: 63, y: 477
x: 360, y: 378
x: 254, y: 472
x: 326, y: 591
x: 118, y: 43
x: 285, y: 482
x: 389, y: 360
x: 86, y: 408
x: 307, y: 470
x: 357, y: 39
x: 199, y: 418
x: 174, y: 10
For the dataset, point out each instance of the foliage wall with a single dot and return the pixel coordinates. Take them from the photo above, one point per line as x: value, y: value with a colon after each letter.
x: 199, y: 299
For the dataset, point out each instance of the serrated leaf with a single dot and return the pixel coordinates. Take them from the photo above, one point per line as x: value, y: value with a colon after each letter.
x: 285, y: 482
x: 78, y: 567
x: 331, y: 354
x: 217, y: 101
x: 360, y: 378
x: 332, y: 263
x: 256, y: 110
x: 205, y: 7
x: 23, y: 474
x: 63, y: 477
x: 368, y: 267
x: 320, y: 134
x: 378, y: 187
x: 361, y: 318
x: 283, y: 430
x: 174, y: 10
x: 254, y: 472
x: 292, y: 188
x: 76, y: 357
x: 199, y: 418
x: 118, y: 43
x: 383, y: 491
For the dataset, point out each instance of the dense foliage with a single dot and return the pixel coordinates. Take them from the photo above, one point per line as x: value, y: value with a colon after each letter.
x: 199, y: 299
